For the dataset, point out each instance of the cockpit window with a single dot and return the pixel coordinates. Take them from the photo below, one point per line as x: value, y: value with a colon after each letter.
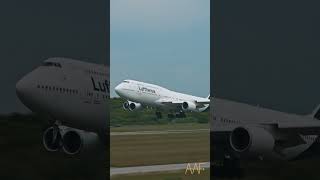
x: 52, y: 64
x: 126, y: 81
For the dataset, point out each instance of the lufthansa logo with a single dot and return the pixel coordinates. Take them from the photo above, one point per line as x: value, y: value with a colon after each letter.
x: 147, y: 90
x: 100, y: 86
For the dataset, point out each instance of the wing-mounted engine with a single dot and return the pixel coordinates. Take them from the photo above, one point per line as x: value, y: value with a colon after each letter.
x: 189, y: 106
x: 71, y: 141
x: 252, y: 141
x: 131, y: 106
x: 51, y: 138
x: 77, y: 141
x: 126, y: 105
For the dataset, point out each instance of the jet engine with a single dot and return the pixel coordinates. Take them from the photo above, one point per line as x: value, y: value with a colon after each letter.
x: 134, y: 106
x: 77, y: 141
x: 126, y: 105
x: 71, y: 141
x: 254, y: 141
x: 131, y: 106
x: 51, y: 139
x: 188, y: 106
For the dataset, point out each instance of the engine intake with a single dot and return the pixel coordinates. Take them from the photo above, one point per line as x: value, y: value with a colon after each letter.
x: 51, y: 139
x: 126, y: 105
x: 72, y: 142
x: 252, y: 140
x: 189, y: 106
x: 77, y: 141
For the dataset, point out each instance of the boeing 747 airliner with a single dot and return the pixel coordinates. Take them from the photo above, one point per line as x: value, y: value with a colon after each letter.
x: 74, y: 95
x: 140, y: 95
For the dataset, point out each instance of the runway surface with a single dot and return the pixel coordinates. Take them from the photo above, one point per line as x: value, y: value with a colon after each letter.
x: 158, y: 132
x: 153, y: 168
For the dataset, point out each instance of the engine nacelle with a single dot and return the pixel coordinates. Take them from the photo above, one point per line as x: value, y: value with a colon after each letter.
x: 252, y: 141
x: 131, y: 106
x: 76, y: 141
x: 71, y: 141
x: 51, y: 139
x: 126, y: 106
x: 189, y: 106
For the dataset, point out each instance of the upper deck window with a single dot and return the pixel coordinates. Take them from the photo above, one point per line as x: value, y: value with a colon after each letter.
x: 126, y: 81
x: 52, y: 64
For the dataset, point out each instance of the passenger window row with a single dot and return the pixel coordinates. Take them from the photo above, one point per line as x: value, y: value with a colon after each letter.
x: 58, y: 89
x: 96, y: 73
x: 229, y: 120
x: 67, y: 90
x: 90, y: 94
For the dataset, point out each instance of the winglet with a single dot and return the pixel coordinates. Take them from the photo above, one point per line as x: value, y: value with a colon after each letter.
x: 316, y: 112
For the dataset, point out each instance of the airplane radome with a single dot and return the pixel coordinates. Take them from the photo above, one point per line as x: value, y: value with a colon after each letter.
x: 242, y: 132
x: 140, y: 95
x: 74, y: 95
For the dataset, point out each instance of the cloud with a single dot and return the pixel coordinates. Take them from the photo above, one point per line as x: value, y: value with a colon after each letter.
x: 158, y: 14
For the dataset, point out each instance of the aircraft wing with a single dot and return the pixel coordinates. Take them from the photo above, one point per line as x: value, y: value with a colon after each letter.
x: 292, y: 129
x: 170, y: 102
x: 311, y: 127
x: 203, y: 102
x: 307, y: 127
x: 200, y: 104
x: 177, y: 102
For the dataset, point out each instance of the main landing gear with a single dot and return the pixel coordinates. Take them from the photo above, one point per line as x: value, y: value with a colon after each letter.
x: 181, y: 115
x: 159, y: 115
x: 177, y: 115
x: 171, y: 115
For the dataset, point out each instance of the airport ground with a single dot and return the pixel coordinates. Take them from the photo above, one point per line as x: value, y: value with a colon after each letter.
x: 159, y: 127
x: 162, y: 144
x: 177, y: 175
x: 307, y: 168
x: 139, y: 139
x: 175, y: 145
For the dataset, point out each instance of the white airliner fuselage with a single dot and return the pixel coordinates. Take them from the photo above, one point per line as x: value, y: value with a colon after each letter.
x: 139, y: 94
x: 71, y: 93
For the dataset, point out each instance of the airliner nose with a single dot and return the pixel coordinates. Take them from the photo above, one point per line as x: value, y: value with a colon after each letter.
x: 118, y: 89
x: 20, y: 86
x: 23, y: 89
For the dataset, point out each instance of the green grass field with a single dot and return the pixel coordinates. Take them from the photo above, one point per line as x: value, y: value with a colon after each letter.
x: 159, y: 127
x: 136, y: 150
x: 179, y: 175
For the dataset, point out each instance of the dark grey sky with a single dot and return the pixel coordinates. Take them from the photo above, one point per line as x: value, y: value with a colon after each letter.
x: 34, y: 30
x: 268, y: 53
